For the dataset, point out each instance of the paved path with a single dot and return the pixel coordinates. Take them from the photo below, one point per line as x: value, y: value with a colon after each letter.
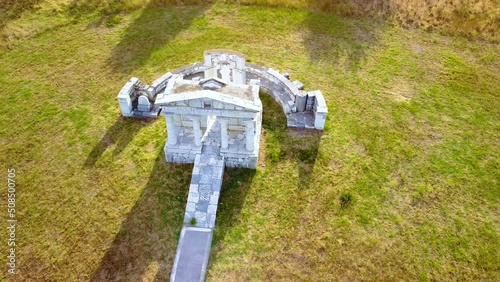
x: 192, y: 254
x: 193, y: 250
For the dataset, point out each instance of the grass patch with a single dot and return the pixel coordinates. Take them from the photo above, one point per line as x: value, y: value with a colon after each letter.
x: 192, y: 221
x: 346, y: 199
x: 412, y: 133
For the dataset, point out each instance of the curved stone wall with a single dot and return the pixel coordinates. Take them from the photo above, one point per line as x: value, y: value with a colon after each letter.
x: 302, y: 109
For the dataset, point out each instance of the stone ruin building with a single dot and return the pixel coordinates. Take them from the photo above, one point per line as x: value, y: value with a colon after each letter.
x: 214, y: 118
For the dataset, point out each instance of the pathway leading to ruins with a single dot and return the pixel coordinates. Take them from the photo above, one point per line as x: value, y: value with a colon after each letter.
x: 193, y: 250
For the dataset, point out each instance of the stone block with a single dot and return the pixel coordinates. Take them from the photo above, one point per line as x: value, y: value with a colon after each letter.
x: 212, y: 209
x: 219, y: 173
x: 233, y: 121
x: 205, y: 179
x: 229, y: 107
x: 188, y: 216
x: 211, y: 224
x: 160, y: 83
x: 252, y: 163
x: 205, y: 197
x: 196, y: 169
x: 201, y: 218
x: 208, y: 60
x: 204, y: 189
x: 213, y: 162
x: 214, y: 199
x: 190, y: 207
x: 196, y: 103
x: 254, y: 82
x: 195, y: 178
x: 218, y: 105
x: 299, y: 84
x: 301, y: 101
x: 202, y: 206
x: 216, y: 185
x: 204, y: 169
x: 193, y: 197
x: 187, y: 123
x: 319, y: 120
x: 240, y: 63
x: 125, y: 106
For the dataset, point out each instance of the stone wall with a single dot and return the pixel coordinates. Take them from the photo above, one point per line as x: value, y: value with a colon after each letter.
x: 292, y: 100
x: 160, y: 83
x: 273, y: 83
x: 287, y: 94
x: 125, y: 97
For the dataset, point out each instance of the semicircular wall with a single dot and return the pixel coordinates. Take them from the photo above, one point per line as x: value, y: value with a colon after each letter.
x: 302, y: 109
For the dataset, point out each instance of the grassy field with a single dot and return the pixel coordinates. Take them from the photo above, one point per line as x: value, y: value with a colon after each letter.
x: 403, y: 184
x: 479, y: 19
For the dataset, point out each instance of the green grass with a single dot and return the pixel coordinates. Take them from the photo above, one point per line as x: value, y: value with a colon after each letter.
x: 412, y: 135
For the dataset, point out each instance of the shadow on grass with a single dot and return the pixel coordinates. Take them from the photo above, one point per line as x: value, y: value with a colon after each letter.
x: 296, y: 144
x: 237, y: 182
x: 119, y: 135
x: 12, y: 10
x: 308, y: 140
x: 145, y: 245
x: 332, y: 40
x: 152, y: 30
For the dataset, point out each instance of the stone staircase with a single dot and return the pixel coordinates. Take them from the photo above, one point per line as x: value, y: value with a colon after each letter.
x: 204, y: 190
x: 192, y: 254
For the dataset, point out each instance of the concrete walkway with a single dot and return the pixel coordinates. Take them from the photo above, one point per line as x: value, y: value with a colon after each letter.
x: 192, y: 254
x: 195, y: 241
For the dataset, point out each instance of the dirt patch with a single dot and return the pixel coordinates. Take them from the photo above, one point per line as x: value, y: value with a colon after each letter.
x: 182, y: 88
x: 402, y: 91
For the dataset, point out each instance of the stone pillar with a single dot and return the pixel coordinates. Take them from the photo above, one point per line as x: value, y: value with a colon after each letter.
x: 301, y: 101
x: 250, y: 135
x: 210, y: 72
x: 196, y: 131
x: 226, y: 74
x: 223, y: 133
x: 171, y: 129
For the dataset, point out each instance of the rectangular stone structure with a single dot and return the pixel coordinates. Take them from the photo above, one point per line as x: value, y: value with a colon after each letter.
x: 192, y: 255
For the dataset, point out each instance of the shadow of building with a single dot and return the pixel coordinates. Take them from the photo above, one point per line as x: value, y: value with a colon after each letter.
x: 147, y: 239
x: 330, y: 39
x: 118, y: 135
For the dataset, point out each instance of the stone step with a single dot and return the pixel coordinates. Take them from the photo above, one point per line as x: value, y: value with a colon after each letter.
x: 199, y: 220
x: 192, y: 255
x: 204, y: 190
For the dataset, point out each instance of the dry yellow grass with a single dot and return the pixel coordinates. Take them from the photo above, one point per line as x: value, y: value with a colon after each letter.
x: 471, y: 18
x: 474, y: 18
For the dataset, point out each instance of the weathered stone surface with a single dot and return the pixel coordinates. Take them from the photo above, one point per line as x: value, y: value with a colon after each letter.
x: 192, y: 254
x: 160, y: 83
x: 204, y: 189
x: 271, y: 81
x: 320, y: 110
x: 143, y: 104
x: 299, y: 84
x: 301, y: 101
